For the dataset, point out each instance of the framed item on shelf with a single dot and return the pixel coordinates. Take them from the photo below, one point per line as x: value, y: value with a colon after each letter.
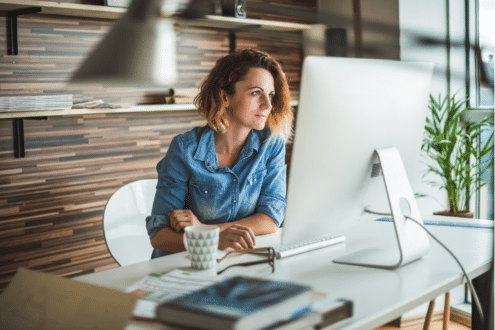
x: 234, y: 8
x: 116, y: 3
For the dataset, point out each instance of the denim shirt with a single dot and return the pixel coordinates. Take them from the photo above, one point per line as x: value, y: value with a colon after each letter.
x: 189, y: 177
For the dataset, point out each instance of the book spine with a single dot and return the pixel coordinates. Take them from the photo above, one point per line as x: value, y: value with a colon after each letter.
x: 175, y: 316
x: 335, y: 315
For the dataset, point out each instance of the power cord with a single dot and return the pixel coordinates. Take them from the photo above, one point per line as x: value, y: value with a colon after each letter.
x: 468, y: 280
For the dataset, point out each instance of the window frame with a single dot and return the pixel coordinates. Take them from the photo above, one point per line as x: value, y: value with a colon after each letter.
x: 472, y: 88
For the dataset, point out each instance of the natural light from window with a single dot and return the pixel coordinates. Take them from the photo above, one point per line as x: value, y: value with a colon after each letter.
x: 486, y: 15
x: 485, y: 97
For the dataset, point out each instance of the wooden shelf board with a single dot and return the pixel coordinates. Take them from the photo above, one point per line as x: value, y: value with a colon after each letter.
x: 65, y: 9
x: 77, y: 112
x: 232, y: 23
x: 73, y: 112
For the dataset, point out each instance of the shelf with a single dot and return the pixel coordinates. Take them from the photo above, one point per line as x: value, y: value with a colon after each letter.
x: 65, y: 9
x: 106, y: 12
x: 96, y: 111
x: 74, y: 112
x: 14, y: 8
x: 232, y: 23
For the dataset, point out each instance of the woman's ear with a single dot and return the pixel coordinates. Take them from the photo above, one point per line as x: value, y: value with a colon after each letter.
x: 224, y: 98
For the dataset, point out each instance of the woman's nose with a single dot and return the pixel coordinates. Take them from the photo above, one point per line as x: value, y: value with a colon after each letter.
x: 266, y: 101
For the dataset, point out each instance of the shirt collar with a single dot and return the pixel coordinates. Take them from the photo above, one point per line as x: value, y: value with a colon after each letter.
x: 252, y: 144
x: 206, y: 150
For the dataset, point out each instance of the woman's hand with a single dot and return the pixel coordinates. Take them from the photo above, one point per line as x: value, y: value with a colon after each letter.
x: 180, y: 219
x: 236, y: 237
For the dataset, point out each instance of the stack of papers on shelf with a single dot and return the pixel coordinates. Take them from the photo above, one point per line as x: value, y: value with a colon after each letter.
x: 87, y: 104
x: 35, y: 102
x: 243, y: 303
x: 94, y: 104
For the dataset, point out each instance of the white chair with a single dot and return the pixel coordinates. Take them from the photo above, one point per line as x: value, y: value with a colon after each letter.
x: 124, y: 222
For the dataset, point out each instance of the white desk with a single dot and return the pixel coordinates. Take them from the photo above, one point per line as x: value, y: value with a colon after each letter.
x: 379, y: 295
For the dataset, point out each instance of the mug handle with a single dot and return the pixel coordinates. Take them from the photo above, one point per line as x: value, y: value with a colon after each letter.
x: 185, y: 241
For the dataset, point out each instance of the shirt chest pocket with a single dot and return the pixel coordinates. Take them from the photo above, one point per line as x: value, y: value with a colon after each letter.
x: 206, y: 191
x: 252, y: 190
x: 206, y: 200
x: 256, y: 179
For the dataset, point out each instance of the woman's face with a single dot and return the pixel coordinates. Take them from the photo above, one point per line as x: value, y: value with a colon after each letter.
x: 251, y: 103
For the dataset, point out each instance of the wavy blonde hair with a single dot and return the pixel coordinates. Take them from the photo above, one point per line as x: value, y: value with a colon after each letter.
x: 233, y: 68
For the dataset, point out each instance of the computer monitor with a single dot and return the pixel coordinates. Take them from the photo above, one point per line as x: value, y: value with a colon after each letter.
x: 348, y: 108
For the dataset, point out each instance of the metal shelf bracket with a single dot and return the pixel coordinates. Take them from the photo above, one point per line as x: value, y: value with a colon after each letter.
x: 20, y: 150
x: 12, y: 26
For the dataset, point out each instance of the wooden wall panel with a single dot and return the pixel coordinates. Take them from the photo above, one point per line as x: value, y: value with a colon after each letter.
x: 52, y: 201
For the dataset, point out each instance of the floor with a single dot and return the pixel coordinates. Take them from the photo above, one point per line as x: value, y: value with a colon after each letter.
x: 436, y: 325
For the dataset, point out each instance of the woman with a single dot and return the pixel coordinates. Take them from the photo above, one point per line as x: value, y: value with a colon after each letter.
x: 232, y: 172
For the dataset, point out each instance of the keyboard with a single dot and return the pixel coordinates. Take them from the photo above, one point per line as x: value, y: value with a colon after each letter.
x: 283, y: 251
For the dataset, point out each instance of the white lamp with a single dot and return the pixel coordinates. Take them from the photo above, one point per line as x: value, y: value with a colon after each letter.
x: 139, y: 50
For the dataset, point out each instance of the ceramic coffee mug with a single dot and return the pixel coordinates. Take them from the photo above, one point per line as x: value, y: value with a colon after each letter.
x: 201, y: 242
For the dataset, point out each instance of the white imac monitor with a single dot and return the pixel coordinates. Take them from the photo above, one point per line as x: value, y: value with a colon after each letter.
x: 349, y: 108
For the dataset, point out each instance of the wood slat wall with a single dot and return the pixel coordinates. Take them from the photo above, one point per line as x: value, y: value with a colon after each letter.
x: 52, y: 201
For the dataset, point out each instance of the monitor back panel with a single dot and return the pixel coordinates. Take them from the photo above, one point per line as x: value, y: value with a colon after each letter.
x: 348, y: 108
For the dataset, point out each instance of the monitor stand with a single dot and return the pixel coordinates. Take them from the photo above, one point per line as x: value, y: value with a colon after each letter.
x: 412, y: 240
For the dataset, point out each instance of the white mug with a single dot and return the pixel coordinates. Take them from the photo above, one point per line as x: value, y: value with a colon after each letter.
x: 201, y: 241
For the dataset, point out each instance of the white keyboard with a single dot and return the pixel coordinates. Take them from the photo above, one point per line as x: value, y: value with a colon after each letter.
x: 283, y: 251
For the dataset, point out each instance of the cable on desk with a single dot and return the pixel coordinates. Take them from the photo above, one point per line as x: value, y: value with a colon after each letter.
x: 468, y: 280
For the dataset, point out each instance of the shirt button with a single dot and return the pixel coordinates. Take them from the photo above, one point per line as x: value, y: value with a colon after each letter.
x: 206, y: 191
x: 235, y: 180
x: 235, y: 200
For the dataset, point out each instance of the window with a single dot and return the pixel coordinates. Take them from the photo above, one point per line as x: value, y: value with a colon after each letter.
x: 484, y: 39
x: 481, y: 90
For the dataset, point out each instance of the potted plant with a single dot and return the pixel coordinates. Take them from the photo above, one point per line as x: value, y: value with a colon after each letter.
x: 452, y: 153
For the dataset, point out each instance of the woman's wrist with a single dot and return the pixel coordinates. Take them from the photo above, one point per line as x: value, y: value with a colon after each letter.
x: 224, y: 225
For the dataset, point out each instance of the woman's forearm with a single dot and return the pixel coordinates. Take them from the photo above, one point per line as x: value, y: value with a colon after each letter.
x: 167, y: 239
x: 260, y: 224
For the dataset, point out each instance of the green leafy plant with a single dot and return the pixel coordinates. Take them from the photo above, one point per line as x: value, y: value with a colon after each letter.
x: 452, y: 153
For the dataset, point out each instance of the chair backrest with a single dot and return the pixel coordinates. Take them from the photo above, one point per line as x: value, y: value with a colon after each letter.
x: 124, y: 222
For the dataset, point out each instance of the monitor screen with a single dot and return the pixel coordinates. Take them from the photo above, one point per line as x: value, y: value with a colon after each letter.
x: 349, y: 107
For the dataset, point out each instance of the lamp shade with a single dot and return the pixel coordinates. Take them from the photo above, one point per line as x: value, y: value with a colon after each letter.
x: 139, y: 50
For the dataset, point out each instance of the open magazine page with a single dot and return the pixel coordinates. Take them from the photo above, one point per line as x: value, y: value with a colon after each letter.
x: 157, y: 288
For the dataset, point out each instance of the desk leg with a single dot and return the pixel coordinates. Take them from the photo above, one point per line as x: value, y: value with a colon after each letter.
x: 446, y: 311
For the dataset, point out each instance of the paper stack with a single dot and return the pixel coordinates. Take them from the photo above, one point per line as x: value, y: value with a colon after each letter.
x: 35, y: 102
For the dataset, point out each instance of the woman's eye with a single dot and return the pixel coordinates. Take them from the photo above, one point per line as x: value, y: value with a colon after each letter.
x: 271, y: 96
x: 256, y: 93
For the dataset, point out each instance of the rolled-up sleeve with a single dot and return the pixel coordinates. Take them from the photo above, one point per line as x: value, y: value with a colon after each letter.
x: 171, y: 189
x: 272, y: 197
x: 156, y: 222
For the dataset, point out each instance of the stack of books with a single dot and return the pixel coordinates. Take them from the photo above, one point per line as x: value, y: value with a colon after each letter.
x: 35, y: 102
x: 244, y: 303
